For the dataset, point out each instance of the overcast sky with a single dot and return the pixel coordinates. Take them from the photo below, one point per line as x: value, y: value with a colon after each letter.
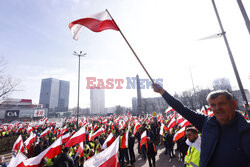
x: 37, y: 43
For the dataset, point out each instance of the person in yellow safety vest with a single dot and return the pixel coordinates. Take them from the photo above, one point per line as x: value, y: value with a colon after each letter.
x: 49, y: 162
x: 165, y: 141
x: 98, y: 147
x: 192, y: 158
x: 86, y: 150
x: 91, y: 145
x: 54, y: 138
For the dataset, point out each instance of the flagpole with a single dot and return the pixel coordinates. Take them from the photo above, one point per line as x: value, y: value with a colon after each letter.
x: 131, y: 47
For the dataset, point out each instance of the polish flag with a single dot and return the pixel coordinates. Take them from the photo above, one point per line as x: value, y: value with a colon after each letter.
x: 203, y: 110
x: 179, y: 134
x: 45, y: 132
x: 124, y: 142
x: 50, y: 152
x: 210, y: 113
x: 105, y: 121
x: 180, y: 119
x: 110, y: 139
x: 143, y: 138
x: 30, y: 129
x: 168, y: 110
x: 185, y: 123
x: 137, y: 126
x: 121, y: 124
x: 80, y: 150
x: 18, y: 159
x: 106, y: 158
x: 97, y: 133
x: 65, y: 138
x: 30, y: 140
x: 172, y: 123
x: 65, y: 129
x: 97, y: 23
x: 79, y: 136
x: 54, y: 149
x: 18, y: 145
x: 163, y: 127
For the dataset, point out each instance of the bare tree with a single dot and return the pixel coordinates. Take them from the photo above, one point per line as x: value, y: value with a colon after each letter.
x: 7, y: 83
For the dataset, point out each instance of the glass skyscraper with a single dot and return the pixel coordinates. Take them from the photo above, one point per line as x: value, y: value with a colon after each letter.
x: 54, y: 95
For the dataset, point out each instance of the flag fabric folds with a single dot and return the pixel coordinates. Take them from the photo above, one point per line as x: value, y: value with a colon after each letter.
x: 97, y: 133
x: 143, y: 138
x: 31, y: 139
x: 106, y: 158
x: 110, y: 139
x: 97, y: 23
x: 179, y: 134
x: 79, y: 136
x: 50, y: 152
x: 18, y: 145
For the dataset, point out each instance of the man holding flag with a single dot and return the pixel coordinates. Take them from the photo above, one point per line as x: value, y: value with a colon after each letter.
x: 224, y: 134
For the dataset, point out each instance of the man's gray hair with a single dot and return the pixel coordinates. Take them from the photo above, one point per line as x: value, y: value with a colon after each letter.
x: 214, y: 94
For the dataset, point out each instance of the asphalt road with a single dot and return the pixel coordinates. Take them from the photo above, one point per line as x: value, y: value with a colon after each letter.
x: 161, y: 159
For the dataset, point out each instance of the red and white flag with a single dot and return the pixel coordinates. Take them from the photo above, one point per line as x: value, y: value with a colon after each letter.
x: 18, y: 145
x: 105, y: 121
x: 30, y: 129
x: 80, y: 150
x: 65, y: 129
x: 78, y: 137
x: 31, y: 139
x: 168, y: 110
x: 163, y: 127
x: 143, y: 138
x: 137, y: 126
x: 66, y: 137
x: 97, y: 133
x: 180, y: 119
x: 185, y: 123
x: 106, y: 158
x: 50, y: 152
x: 124, y: 142
x: 45, y: 132
x: 172, y: 123
x: 110, y: 139
x: 179, y: 134
x: 18, y: 159
x: 97, y: 23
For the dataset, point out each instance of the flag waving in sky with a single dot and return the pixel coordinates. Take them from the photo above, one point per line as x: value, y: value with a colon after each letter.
x: 97, y: 23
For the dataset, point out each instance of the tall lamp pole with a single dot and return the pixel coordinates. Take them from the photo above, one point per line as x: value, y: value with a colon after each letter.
x: 232, y: 60
x: 79, y: 65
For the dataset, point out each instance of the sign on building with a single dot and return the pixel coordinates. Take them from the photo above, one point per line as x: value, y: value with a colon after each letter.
x: 39, y: 113
x: 12, y: 114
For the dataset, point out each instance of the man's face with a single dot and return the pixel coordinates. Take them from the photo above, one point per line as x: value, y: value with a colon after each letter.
x: 191, y: 136
x: 223, y: 109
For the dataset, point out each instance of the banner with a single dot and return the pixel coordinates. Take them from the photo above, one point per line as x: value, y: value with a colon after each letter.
x: 39, y: 113
x: 12, y: 114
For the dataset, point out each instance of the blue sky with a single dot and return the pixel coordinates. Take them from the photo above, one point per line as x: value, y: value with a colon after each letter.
x: 36, y: 43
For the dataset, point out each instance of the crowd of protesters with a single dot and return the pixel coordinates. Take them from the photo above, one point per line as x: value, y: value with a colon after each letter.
x: 147, y: 151
x: 179, y: 141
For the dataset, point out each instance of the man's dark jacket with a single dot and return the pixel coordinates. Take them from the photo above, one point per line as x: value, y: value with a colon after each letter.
x: 210, y: 129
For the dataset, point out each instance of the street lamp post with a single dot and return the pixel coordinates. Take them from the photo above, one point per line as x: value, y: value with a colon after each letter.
x: 232, y: 60
x: 79, y: 61
x: 244, y: 14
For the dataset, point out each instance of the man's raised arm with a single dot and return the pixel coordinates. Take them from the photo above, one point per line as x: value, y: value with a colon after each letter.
x: 193, y: 117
